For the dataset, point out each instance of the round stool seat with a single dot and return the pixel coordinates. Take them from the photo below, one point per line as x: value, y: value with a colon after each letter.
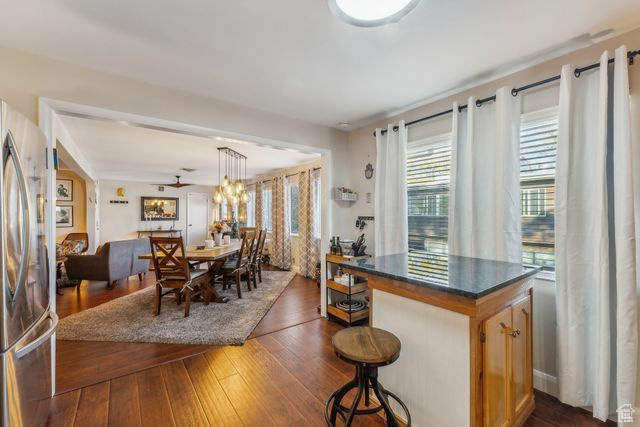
x: 364, y: 344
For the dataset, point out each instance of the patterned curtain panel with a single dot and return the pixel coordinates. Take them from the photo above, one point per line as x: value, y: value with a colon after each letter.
x: 280, y: 234
x: 308, y: 243
x: 258, y: 209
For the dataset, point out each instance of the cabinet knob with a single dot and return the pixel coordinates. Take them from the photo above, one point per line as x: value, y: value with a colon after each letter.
x: 515, y: 333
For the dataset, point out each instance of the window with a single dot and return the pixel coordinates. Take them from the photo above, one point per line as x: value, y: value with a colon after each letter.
x: 223, y: 209
x: 538, y: 139
x: 251, y: 209
x: 294, y: 199
x: 533, y: 201
x: 266, y: 208
x: 428, y: 177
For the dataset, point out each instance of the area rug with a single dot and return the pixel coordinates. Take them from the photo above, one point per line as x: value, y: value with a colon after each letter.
x: 130, y: 318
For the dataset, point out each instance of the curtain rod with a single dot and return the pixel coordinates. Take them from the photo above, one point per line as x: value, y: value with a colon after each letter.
x: 514, y: 91
x: 287, y: 176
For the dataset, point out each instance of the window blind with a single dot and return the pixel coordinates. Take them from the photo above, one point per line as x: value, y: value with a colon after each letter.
x: 538, y: 141
x: 428, y: 177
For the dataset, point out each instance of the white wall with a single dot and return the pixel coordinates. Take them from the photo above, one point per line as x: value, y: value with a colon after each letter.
x: 26, y: 77
x: 362, y: 150
x: 122, y: 221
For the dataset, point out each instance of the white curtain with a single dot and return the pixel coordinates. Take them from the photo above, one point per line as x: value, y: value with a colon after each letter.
x: 484, y: 198
x: 391, y: 224
x: 596, y: 249
x: 627, y: 230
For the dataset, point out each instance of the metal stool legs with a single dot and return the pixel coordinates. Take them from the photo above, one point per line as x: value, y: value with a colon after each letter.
x: 366, y: 378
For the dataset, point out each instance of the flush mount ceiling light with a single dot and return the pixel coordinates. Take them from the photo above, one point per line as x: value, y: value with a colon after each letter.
x: 371, y: 13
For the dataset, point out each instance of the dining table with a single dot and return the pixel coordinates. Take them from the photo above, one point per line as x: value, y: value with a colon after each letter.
x: 214, y: 257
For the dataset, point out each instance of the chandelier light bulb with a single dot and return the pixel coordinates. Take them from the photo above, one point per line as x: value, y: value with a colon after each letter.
x: 239, y: 186
x: 218, y: 197
x: 245, y: 197
x: 225, y: 181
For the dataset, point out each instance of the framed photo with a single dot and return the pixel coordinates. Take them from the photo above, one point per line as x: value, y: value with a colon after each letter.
x: 159, y: 209
x: 64, y: 216
x: 64, y: 190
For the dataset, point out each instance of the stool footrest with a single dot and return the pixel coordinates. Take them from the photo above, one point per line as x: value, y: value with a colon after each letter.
x: 366, y: 378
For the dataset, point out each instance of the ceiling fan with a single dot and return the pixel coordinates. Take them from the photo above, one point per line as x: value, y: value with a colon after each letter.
x: 176, y: 184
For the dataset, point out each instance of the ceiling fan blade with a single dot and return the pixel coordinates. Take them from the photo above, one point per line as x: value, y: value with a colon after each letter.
x: 176, y: 184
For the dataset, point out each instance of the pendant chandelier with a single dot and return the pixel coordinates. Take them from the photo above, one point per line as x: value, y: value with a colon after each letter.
x: 232, y: 186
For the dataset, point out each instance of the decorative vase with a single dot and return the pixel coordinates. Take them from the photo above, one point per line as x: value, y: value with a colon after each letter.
x: 217, y: 239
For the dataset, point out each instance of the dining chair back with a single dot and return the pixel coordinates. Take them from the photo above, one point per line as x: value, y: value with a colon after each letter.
x: 235, y: 269
x: 169, y: 261
x: 253, y: 261
x: 243, y: 230
x: 260, y: 252
x: 246, y: 248
x: 173, y: 273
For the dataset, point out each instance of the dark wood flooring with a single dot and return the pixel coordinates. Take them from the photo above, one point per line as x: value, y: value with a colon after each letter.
x: 83, y: 363
x: 280, y: 377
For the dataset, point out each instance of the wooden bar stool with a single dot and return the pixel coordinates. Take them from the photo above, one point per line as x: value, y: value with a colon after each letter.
x: 367, y: 348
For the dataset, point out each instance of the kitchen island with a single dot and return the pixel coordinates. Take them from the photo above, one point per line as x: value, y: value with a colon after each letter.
x: 465, y: 328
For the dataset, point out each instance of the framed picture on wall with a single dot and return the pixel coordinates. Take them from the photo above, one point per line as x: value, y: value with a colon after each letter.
x: 64, y: 190
x: 64, y: 216
x: 159, y: 209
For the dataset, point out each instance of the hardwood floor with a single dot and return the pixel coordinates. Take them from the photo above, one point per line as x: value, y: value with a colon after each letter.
x: 92, y: 294
x: 550, y: 411
x: 83, y: 363
x: 281, y: 376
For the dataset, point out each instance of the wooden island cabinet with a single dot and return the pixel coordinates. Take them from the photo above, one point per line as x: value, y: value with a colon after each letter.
x: 466, y: 357
x: 506, y: 372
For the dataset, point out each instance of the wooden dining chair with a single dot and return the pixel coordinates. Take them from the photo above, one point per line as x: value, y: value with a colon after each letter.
x: 173, y: 274
x: 236, y: 268
x: 242, y: 230
x: 259, y: 254
x: 254, y: 265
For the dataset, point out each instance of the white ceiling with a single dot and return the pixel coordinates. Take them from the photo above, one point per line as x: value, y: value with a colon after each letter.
x: 295, y: 58
x: 130, y: 153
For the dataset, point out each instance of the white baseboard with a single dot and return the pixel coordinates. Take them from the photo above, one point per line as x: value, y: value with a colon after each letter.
x: 545, y: 383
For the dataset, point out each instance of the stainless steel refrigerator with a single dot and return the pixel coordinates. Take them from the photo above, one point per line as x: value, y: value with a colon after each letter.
x: 26, y: 322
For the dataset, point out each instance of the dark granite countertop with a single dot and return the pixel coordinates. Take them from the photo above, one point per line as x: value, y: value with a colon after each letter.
x: 469, y: 277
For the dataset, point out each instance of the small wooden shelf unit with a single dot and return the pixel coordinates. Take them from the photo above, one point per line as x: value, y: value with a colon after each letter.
x: 347, y: 317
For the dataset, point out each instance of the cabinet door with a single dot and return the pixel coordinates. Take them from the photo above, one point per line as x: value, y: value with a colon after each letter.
x: 522, y: 369
x: 496, y: 370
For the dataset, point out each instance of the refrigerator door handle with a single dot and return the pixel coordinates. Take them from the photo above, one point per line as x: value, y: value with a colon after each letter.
x: 10, y: 151
x: 29, y: 347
